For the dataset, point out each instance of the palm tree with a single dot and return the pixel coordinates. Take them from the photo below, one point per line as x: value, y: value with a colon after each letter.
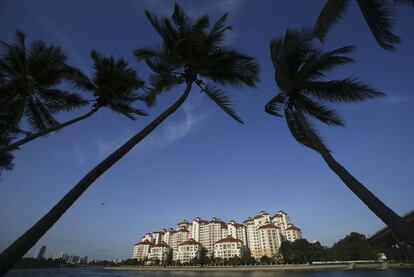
x: 300, y: 68
x: 378, y: 14
x: 29, y: 77
x: 190, y: 54
x: 113, y: 86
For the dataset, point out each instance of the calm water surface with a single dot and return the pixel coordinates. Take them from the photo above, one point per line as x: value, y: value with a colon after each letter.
x: 72, y: 272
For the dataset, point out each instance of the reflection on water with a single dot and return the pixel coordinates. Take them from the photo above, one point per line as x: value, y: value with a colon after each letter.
x: 74, y: 272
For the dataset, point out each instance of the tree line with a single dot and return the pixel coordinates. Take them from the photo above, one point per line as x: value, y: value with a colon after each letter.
x: 192, y: 56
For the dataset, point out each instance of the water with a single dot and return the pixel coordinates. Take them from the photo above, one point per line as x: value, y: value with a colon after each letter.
x: 94, y: 272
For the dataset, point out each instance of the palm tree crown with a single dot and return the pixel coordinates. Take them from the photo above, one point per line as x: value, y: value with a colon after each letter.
x: 193, y: 52
x: 378, y: 14
x: 114, y: 85
x: 299, y: 71
x: 29, y: 79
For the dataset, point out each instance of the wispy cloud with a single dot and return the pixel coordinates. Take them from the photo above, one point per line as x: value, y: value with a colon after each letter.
x: 396, y: 99
x: 74, y: 154
x: 190, y: 117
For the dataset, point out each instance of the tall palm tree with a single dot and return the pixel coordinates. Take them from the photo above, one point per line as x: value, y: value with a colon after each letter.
x: 190, y: 54
x: 113, y: 86
x: 378, y: 14
x: 300, y: 68
x: 29, y: 76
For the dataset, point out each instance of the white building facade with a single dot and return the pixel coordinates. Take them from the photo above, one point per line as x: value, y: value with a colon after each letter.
x: 259, y: 236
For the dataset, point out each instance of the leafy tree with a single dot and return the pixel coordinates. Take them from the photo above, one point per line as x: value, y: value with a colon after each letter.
x: 378, y: 14
x: 236, y: 260
x: 354, y: 246
x: 202, y: 258
x: 300, y: 67
x: 191, y: 53
x: 286, y: 251
x: 265, y: 260
x: 114, y: 86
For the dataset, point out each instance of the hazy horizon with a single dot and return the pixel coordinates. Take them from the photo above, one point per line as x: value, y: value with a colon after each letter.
x: 200, y: 162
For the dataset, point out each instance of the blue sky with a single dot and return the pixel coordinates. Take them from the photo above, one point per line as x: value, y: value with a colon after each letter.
x: 200, y: 162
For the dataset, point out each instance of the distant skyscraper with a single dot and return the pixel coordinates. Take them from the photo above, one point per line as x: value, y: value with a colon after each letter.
x: 83, y: 260
x: 40, y: 252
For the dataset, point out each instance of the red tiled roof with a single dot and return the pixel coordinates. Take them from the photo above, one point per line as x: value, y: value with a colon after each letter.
x: 277, y: 215
x: 201, y: 221
x: 293, y: 228
x: 237, y: 225
x: 189, y: 242
x: 218, y: 222
x: 145, y: 242
x: 228, y: 239
x: 267, y: 226
x: 161, y: 244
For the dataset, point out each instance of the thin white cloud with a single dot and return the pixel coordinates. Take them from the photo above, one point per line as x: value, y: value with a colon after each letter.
x: 175, y: 130
x: 395, y: 99
x: 191, y: 116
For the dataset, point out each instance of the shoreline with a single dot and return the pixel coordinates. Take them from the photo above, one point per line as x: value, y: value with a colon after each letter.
x: 376, y: 266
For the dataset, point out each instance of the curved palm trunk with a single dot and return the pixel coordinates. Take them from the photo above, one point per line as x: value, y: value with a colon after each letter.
x: 31, y: 137
x: 23, y: 244
x: 403, y: 229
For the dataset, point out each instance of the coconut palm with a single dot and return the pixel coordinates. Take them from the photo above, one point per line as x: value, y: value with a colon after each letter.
x: 114, y: 86
x: 303, y: 92
x: 378, y: 14
x: 29, y: 79
x: 191, y: 53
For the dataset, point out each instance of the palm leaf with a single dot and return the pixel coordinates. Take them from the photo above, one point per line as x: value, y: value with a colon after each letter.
x: 346, y: 90
x: 379, y: 17
x: 274, y: 105
x: 320, y: 112
x: 297, y: 129
x: 222, y: 100
x: 331, y: 13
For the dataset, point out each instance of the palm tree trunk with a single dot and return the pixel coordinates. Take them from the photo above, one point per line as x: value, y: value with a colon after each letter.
x: 30, y: 137
x: 403, y: 229
x: 24, y: 243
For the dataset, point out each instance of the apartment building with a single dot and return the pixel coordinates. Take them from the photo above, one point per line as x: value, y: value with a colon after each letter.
x: 260, y: 235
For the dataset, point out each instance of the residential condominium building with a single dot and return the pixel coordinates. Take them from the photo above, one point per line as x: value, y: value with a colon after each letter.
x: 229, y: 247
x: 260, y: 236
x: 188, y: 250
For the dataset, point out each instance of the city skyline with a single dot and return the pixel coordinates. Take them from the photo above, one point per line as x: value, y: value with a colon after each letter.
x: 200, y: 162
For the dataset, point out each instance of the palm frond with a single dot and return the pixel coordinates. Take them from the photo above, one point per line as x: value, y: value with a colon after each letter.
x: 222, y: 100
x: 128, y: 111
x: 81, y: 81
x: 346, y: 90
x: 320, y: 112
x: 58, y: 100
x: 331, y: 13
x: 318, y: 63
x: 275, y: 104
x: 230, y: 68
x: 160, y: 83
x: 180, y: 19
x: 379, y: 16
x: 297, y: 129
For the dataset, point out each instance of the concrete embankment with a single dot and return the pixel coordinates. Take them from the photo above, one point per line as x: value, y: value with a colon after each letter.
x: 267, y: 267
